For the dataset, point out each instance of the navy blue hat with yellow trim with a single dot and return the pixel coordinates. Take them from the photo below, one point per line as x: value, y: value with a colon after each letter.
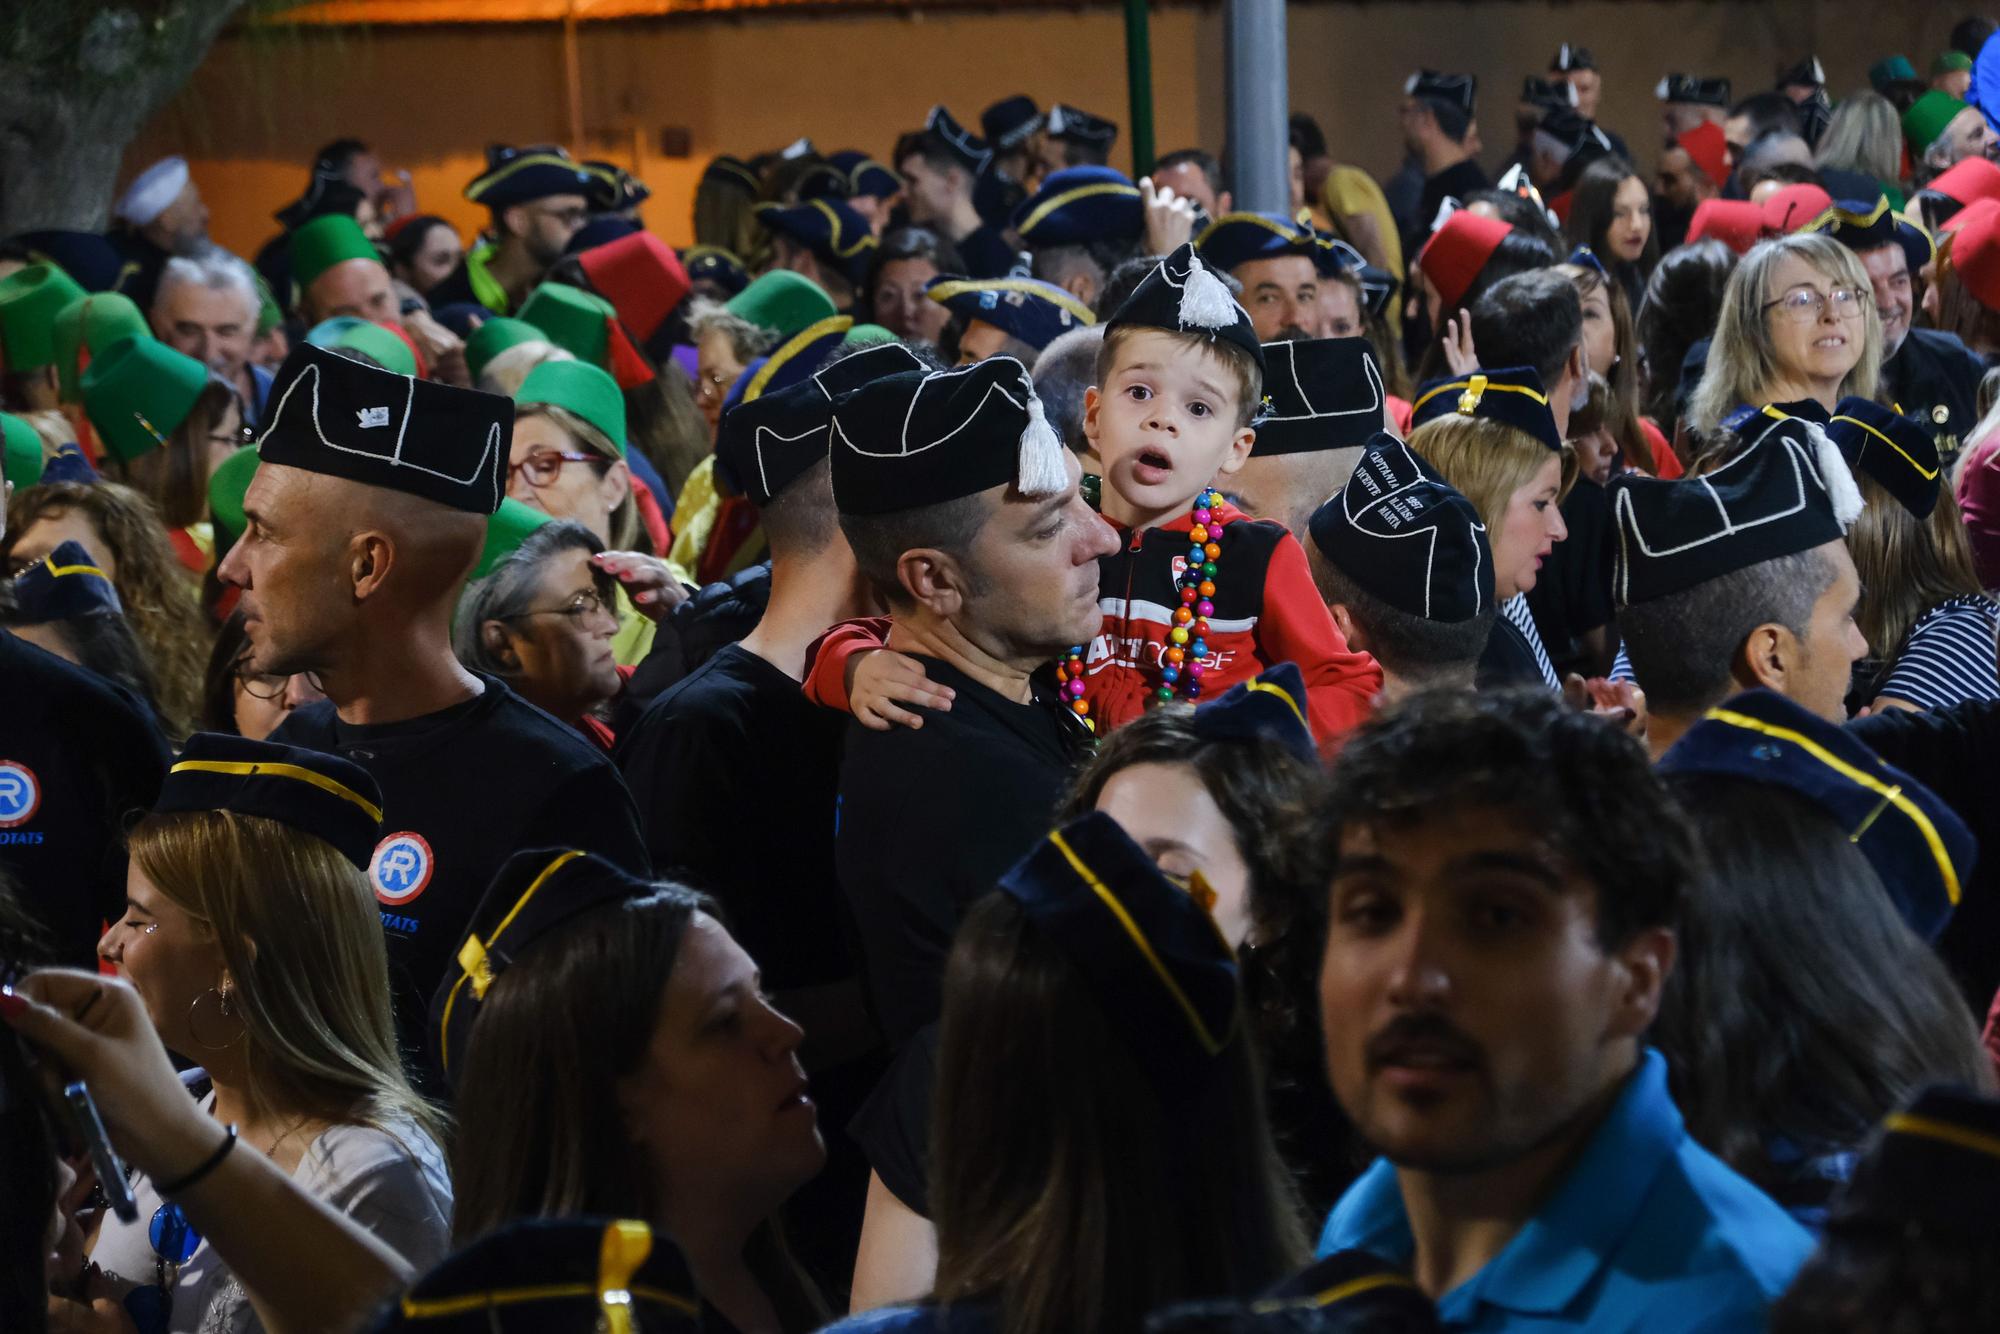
x: 1081, y: 206
x: 731, y: 171
x: 972, y: 152
x: 1356, y: 1289
x: 835, y: 233
x: 850, y: 173
x: 1319, y: 393
x: 554, y: 1276
x: 1182, y: 295
x: 331, y: 798
x: 1404, y: 534
x: 1270, y: 708
x: 91, y: 260
x: 1921, y: 850
x: 1935, y: 1170
x: 791, y: 361
x: 1161, y: 971
x: 613, y: 188
x: 1238, y: 238
x: 1335, y: 258
x: 764, y: 444
x: 523, y: 175
x: 713, y: 264
x: 61, y: 586
x: 1860, y: 226
x: 534, y: 892
x: 1788, y: 491
x: 1033, y: 311
x: 1895, y: 451
x: 1511, y: 395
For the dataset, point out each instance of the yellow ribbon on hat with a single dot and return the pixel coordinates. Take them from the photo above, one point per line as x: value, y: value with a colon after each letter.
x: 1928, y: 474
x: 263, y: 768
x: 1927, y: 1127
x: 1282, y: 694
x: 58, y: 571
x: 473, y: 964
x: 626, y: 1246
x: 1476, y: 388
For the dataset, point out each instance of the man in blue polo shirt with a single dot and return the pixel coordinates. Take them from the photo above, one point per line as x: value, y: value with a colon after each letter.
x: 1501, y: 923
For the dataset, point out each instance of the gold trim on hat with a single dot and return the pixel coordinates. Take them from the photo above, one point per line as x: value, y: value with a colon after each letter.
x: 261, y: 768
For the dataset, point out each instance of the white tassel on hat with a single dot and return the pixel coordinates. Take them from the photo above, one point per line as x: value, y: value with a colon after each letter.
x: 1833, y: 471
x: 1042, y: 470
x: 1205, y: 299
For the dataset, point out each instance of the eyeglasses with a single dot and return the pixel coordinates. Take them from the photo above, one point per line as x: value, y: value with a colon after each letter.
x: 568, y: 217
x: 259, y: 686
x: 544, y: 465
x: 1804, y: 304
x: 236, y: 439
x: 585, y: 603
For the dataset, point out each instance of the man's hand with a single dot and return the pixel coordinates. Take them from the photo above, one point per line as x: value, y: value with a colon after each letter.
x: 1169, y: 217
x: 444, y: 351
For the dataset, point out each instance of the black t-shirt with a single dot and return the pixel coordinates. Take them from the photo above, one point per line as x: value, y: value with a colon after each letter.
x: 1457, y: 181
x: 930, y: 818
x: 1508, y: 660
x: 1572, y: 595
x: 463, y: 789
x: 77, y: 755
x: 735, y: 773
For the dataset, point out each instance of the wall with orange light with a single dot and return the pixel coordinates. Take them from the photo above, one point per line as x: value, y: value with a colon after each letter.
x: 430, y: 98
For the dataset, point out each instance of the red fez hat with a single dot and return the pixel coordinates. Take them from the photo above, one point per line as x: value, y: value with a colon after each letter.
x: 1977, y: 209
x: 1736, y: 223
x: 1791, y: 208
x: 1562, y: 204
x: 1975, y: 256
x: 1968, y: 182
x: 641, y: 276
x: 1457, y: 251
x: 1709, y: 150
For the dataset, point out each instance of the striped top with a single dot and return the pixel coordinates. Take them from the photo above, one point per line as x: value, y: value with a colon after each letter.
x: 1515, y: 609
x: 1949, y: 656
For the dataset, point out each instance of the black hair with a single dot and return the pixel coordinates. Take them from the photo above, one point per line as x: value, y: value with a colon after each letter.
x: 1453, y: 120
x: 1683, y: 646
x: 1803, y: 1010
x: 900, y: 243
x: 218, y: 681
x: 1054, y: 263
x: 1581, y: 783
x: 1767, y: 112
x: 1784, y: 173
x: 337, y: 155
x: 1683, y: 301
x: 1530, y: 319
x: 1121, y: 282
x: 409, y: 237
x: 1521, y: 213
x: 1969, y: 34
x: 1889, y: 1278
x: 1307, y: 136
x: 1205, y: 162
x: 879, y: 540
x: 932, y: 148
x: 1592, y: 213
x: 1417, y: 649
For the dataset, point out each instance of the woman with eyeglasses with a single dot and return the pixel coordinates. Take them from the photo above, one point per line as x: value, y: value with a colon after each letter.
x: 542, y: 620
x: 568, y: 459
x: 1798, y: 330
x: 235, y: 699
x: 724, y: 343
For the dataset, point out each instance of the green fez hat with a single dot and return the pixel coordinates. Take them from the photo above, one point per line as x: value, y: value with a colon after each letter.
x: 495, y: 336
x: 583, y: 389
x: 269, y: 316
x: 383, y: 346
x: 328, y: 240
x: 1927, y: 118
x: 88, y: 325
x: 573, y: 320
x: 1949, y: 62
x: 138, y: 392
x: 867, y: 335
x: 227, y: 486
x: 508, y: 527
x: 783, y: 302
x: 23, y: 450
x: 29, y: 300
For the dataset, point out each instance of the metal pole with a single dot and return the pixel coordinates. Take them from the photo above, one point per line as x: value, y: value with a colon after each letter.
x: 1259, y: 105
x: 1139, y: 85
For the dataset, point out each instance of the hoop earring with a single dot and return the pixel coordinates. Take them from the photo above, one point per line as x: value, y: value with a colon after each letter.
x: 222, y: 1004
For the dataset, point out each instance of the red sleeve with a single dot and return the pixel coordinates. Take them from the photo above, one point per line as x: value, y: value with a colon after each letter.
x: 1990, y: 1037
x: 1401, y: 411
x: 826, y: 678
x: 1666, y: 463
x: 1341, y: 685
x: 1978, y: 495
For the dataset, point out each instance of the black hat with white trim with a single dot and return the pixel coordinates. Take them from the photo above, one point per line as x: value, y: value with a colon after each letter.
x: 1008, y: 123
x: 1808, y: 73
x: 1789, y: 491
x: 1080, y: 127
x: 1182, y: 295
x: 915, y: 439
x: 335, y: 416
x: 1319, y: 393
x: 1456, y: 90
x: 1693, y: 90
x: 1402, y: 533
x: 1895, y: 451
x: 1568, y: 59
x: 969, y: 149
x: 765, y: 443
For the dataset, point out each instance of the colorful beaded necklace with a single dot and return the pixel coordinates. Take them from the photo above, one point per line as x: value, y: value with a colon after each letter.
x: 1181, y: 667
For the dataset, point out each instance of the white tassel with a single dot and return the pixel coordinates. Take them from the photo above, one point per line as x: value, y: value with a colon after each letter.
x: 1042, y: 471
x: 1832, y: 465
x: 1205, y: 301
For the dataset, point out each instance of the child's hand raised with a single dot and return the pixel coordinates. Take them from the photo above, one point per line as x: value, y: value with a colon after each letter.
x: 1459, y: 354
x: 880, y: 680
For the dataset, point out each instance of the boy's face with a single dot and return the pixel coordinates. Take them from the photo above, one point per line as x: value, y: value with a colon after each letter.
x: 1164, y: 422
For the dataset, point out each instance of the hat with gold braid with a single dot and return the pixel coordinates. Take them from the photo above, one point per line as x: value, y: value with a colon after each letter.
x: 1934, y: 1171
x: 62, y: 585
x: 555, y: 1276
x: 323, y: 795
x: 1512, y: 396
x: 534, y: 892
x: 1163, y: 976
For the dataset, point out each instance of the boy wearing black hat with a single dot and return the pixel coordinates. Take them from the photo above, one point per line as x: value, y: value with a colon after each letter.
x: 540, y: 198
x: 366, y: 514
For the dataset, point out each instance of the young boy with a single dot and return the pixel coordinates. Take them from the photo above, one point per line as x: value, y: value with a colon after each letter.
x: 1201, y: 596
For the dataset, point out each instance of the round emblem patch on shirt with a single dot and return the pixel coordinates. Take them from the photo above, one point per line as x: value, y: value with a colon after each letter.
x: 400, y: 868
x: 20, y: 793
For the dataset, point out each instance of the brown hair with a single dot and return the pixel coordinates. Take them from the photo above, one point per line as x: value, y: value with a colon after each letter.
x: 1976, y: 324
x: 623, y: 524
x: 1064, y: 1191
x: 1621, y: 402
x: 1240, y: 364
x: 175, y: 476
x: 158, y: 595
x: 1907, y: 564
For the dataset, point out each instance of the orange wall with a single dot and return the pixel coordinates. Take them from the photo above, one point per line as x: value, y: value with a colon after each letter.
x: 431, y: 98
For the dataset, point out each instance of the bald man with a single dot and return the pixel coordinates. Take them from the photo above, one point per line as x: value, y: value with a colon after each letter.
x: 367, y: 513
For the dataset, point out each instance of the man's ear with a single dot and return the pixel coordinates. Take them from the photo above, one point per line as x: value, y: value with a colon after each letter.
x: 1092, y: 401
x: 1081, y: 286
x: 933, y: 580
x: 513, y: 220
x: 1343, y: 621
x: 1767, y: 657
x: 371, y: 555
x: 1578, y: 369
x: 1644, y: 963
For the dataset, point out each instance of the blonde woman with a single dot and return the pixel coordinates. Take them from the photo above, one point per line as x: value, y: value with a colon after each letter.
x: 1865, y: 136
x: 252, y: 938
x: 1798, y: 327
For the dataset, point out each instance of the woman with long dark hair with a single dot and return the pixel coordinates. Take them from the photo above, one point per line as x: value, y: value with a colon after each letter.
x: 1682, y: 303
x: 1612, y: 213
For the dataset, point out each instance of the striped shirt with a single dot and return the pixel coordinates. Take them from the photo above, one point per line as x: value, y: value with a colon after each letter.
x: 1949, y: 656
x: 1515, y: 609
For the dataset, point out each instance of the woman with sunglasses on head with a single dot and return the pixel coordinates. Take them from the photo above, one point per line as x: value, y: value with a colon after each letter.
x: 252, y: 937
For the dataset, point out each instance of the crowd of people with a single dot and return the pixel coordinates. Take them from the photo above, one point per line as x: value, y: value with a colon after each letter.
x: 994, y: 746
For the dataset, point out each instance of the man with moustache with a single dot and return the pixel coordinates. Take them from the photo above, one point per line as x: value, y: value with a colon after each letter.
x: 1502, y: 914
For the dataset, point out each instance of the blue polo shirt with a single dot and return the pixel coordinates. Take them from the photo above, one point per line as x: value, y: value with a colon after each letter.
x: 1648, y: 1232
